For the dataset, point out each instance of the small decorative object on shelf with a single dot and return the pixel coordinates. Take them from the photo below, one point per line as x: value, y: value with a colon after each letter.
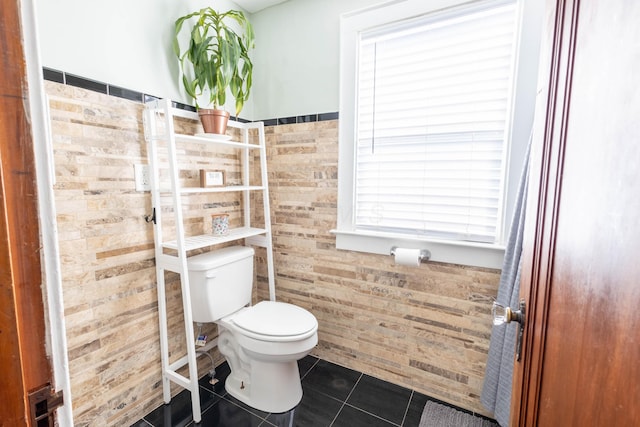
x: 211, y: 178
x: 220, y: 224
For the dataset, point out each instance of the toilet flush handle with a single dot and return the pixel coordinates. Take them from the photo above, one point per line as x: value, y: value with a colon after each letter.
x: 210, y: 275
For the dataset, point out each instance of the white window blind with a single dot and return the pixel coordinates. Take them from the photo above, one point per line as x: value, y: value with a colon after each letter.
x: 433, y: 107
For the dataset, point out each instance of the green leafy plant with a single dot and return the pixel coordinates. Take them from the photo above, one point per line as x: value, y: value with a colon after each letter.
x: 217, y: 57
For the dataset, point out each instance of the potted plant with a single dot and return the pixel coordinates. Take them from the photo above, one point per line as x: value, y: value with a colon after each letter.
x: 216, y: 59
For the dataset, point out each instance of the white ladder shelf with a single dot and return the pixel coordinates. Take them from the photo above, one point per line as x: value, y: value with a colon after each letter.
x: 160, y: 134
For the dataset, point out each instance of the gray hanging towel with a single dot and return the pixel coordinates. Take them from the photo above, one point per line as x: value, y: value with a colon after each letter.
x: 496, y: 390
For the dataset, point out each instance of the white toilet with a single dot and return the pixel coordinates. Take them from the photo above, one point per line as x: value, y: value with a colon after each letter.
x: 261, y: 343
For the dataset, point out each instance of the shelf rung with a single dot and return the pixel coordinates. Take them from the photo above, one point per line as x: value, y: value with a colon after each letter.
x: 185, y: 359
x: 169, y: 262
x: 225, y: 189
x: 204, y: 240
x: 257, y: 241
x: 205, y: 140
x: 178, y: 379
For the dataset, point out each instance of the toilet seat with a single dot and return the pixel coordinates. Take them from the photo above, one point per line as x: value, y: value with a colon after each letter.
x: 276, y: 322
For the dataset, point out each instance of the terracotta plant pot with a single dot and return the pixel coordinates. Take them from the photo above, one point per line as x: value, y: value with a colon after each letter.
x: 214, y: 121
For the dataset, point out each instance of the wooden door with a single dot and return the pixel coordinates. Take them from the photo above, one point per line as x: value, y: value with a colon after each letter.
x: 24, y: 367
x: 581, y: 271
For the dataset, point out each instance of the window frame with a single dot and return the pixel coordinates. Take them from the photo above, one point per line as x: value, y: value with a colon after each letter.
x: 523, y: 106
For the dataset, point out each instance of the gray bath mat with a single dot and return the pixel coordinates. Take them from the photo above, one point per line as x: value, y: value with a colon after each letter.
x: 437, y: 415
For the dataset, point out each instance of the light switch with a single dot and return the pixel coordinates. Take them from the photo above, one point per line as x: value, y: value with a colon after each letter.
x: 142, y: 178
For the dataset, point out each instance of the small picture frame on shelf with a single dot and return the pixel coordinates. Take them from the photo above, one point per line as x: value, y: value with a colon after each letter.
x: 211, y: 178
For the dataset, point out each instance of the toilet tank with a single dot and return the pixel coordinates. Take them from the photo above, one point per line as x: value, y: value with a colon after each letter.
x: 220, y: 282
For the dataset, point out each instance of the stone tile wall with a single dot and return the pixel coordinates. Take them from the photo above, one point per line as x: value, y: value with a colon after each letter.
x: 426, y: 328
x: 107, y: 259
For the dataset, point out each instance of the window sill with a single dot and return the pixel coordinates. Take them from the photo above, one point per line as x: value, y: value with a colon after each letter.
x: 464, y: 253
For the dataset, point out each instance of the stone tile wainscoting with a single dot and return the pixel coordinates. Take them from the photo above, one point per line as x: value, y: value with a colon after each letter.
x: 107, y: 259
x: 423, y: 328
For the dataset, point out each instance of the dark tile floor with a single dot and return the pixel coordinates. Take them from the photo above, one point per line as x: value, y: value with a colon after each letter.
x: 333, y: 396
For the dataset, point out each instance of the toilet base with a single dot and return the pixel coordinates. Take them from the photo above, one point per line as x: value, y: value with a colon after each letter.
x: 272, y: 387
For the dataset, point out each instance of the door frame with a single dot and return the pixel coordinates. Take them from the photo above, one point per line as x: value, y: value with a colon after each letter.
x: 45, y: 174
x: 36, y: 238
x: 547, y: 157
x: 24, y: 360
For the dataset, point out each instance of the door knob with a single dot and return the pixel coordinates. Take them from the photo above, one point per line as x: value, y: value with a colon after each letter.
x: 505, y: 314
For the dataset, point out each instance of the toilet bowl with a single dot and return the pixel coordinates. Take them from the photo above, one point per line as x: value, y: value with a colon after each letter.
x: 262, y: 351
x: 261, y: 343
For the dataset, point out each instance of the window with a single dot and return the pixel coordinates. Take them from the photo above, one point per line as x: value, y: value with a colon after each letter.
x: 430, y: 105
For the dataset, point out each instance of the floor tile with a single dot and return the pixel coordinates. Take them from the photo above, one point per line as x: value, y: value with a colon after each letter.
x: 331, y: 379
x: 326, y: 387
x: 353, y: 417
x: 254, y: 411
x: 305, y: 364
x: 178, y: 412
x: 222, y: 372
x: 414, y: 413
x: 386, y: 400
x: 226, y: 414
x: 285, y: 419
x: 315, y: 410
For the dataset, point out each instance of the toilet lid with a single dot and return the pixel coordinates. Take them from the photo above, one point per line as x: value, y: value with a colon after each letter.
x: 276, y: 319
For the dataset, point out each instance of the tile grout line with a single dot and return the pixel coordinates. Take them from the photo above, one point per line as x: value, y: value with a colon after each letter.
x: 309, y: 370
x: 406, y: 411
x: 345, y: 400
x: 248, y: 411
x: 372, y: 414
